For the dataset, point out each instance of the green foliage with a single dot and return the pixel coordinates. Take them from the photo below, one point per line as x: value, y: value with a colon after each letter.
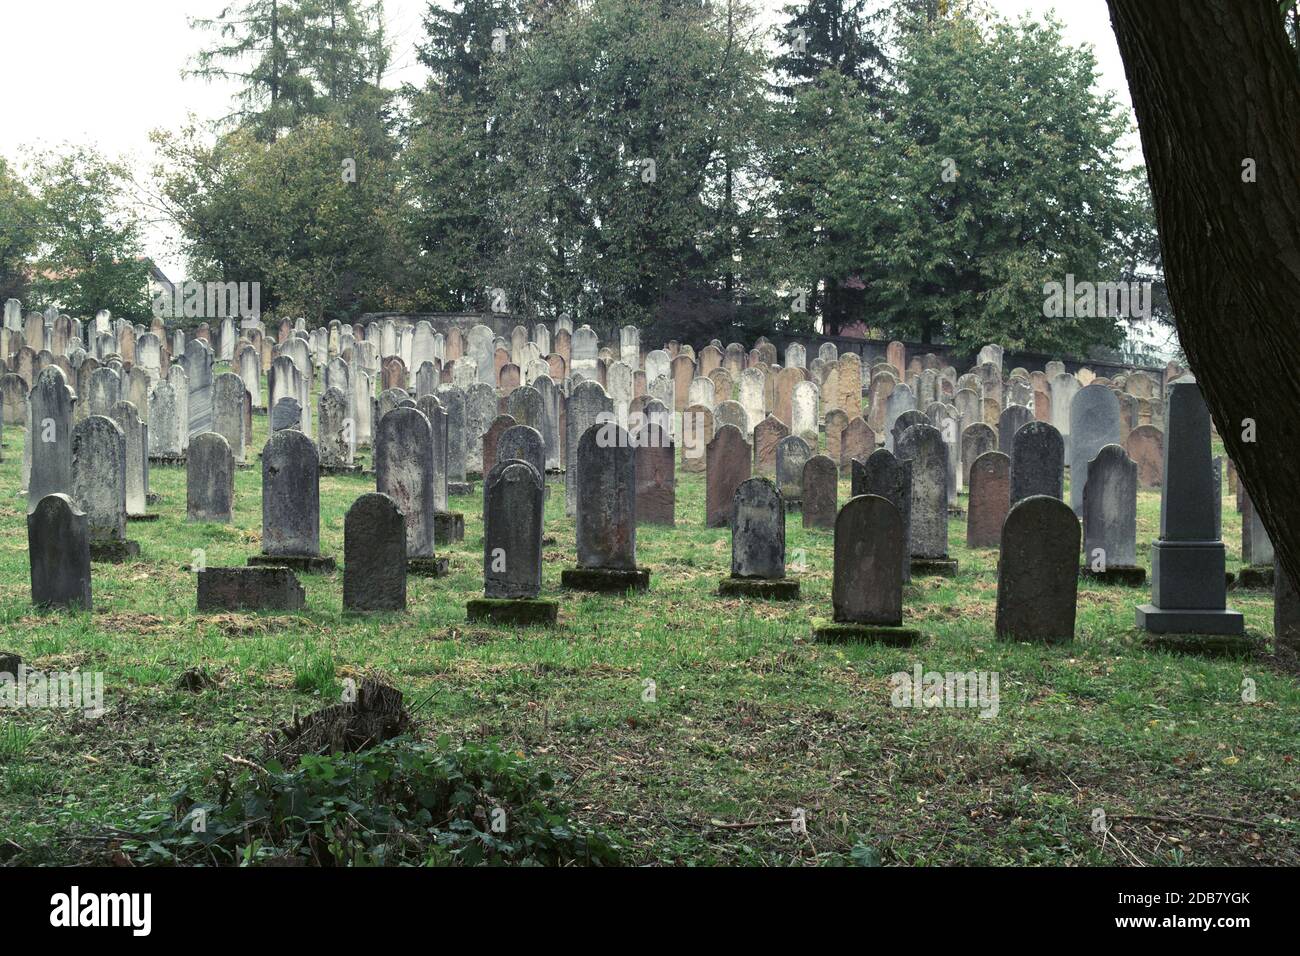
x: 403, y: 802
x: 842, y: 36
x: 19, y: 229
x: 90, y: 242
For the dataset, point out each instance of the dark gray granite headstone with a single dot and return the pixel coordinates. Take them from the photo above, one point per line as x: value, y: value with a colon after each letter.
x: 1037, y: 462
x: 512, y: 530
x: 889, y: 477
x: 524, y: 443
x: 210, y: 479
x: 1094, y: 424
x: 758, y: 531
x: 923, y: 444
x: 587, y: 405
x: 820, y: 492
x: 286, y: 414
x: 870, y: 553
x: 290, y: 495
x: 1012, y: 419
x: 1110, y: 510
x: 404, y: 471
x: 374, y: 555
x: 58, y: 545
x: 1038, y: 572
x: 606, y: 498
x: 792, y: 453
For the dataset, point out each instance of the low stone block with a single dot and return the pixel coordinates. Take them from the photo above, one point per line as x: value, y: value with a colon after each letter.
x: 114, y: 552
x: 522, y: 612
x: 767, y: 589
x: 941, y: 567
x: 1205, y: 645
x: 1159, y: 620
x: 336, y: 470
x: 152, y: 516
x: 605, y: 580
x: 448, y: 527
x: 302, y: 563
x: 249, y: 589
x: 1256, y: 577
x: 427, y: 567
x: 460, y: 487
x: 1128, y: 577
x: 168, y: 460
x: 834, y: 632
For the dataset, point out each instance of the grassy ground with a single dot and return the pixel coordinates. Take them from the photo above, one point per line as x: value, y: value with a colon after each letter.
x: 749, y: 719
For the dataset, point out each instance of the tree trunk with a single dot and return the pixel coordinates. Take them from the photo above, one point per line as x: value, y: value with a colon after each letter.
x: 1215, y: 84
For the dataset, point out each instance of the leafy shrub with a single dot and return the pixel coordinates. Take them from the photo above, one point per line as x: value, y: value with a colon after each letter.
x: 403, y: 802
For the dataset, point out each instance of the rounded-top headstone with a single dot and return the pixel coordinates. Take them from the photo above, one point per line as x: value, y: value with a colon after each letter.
x: 758, y: 531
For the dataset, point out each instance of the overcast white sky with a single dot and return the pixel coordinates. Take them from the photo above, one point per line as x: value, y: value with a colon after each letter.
x: 106, y: 72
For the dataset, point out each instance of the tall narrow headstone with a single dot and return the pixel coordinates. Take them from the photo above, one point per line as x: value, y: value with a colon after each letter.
x: 929, y: 531
x: 758, y: 544
x: 883, y: 474
x: 990, y: 499
x: 1110, y: 518
x: 404, y: 471
x: 728, y: 464
x: 1038, y: 572
x: 99, y: 486
x: 210, y: 479
x: 291, y: 504
x: 820, y: 492
x: 606, y: 520
x: 1037, y: 462
x: 1094, y: 424
x: 374, y: 555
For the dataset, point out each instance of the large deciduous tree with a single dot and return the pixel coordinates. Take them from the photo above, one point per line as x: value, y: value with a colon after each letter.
x: 1217, y: 94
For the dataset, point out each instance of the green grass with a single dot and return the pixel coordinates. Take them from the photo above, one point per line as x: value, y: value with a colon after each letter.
x: 748, y: 720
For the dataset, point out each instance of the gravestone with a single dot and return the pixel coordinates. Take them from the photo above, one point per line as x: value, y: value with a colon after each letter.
x: 492, y: 439
x: 820, y: 492
x: 524, y: 443
x: 137, y: 461
x: 1146, y: 446
x: 58, y: 548
x: 606, y: 519
x: 768, y: 434
x: 374, y: 555
x: 990, y: 499
x: 857, y: 443
x: 758, y: 544
x: 512, y: 548
x: 728, y: 464
x: 228, y: 412
x: 656, y: 481
x: 1110, y: 519
x: 1012, y: 419
x: 1037, y: 462
x: 1094, y: 424
x: 404, y: 470
x: 697, y: 432
x: 885, y: 475
x: 1038, y: 576
x: 1189, y: 588
x: 587, y: 405
x: 286, y: 415
x: 792, y: 453
x: 210, y: 479
x: 99, y: 487
x: 928, y: 534
x: 164, y: 424
x: 291, y: 505
x: 49, y: 433
x: 249, y: 589
x: 976, y: 439
x: 337, y: 433
x: 867, y: 587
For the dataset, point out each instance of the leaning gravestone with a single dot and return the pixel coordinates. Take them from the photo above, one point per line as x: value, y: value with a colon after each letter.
x: 99, y: 487
x: 606, y: 521
x: 728, y: 464
x: 820, y: 492
x: 889, y: 477
x: 1188, y: 586
x: 374, y: 555
x: 758, y: 544
x: 404, y: 470
x: 990, y: 499
x: 1094, y: 424
x: 512, y: 548
x: 1110, y: 519
x: 1037, y: 463
x: 928, y: 535
x: 1038, y: 572
x: 291, y: 505
x: 867, y: 588
x: 58, y: 548
x: 210, y: 479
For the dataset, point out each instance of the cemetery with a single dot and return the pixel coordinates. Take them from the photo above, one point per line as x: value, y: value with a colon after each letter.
x: 645, y: 435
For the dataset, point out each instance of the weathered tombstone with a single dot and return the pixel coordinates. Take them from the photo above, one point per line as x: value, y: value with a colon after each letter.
x: 1094, y: 424
x: 656, y: 480
x: 1037, y: 462
x: 990, y: 499
x: 857, y: 442
x: 99, y: 487
x: 286, y: 415
x: 49, y: 433
x: 137, y: 461
x: 228, y: 412
x: 58, y: 548
x: 291, y: 505
x: 900, y: 400
x: 1038, y: 576
x: 512, y: 548
x: 210, y: 479
x: 728, y: 465
x: 198, y: 369
x: 523, y: 443
x: 1189, y: 588
x: 976, y: 439
x: 492, y: 439
x: 404, y: 470
x: 587, y: 405
x: 1257, y: 553
x: 1012, y: 419
x: 374, y: 555
x: 928, y: 534
x: 758, y: 544
x: 164, y: 424
x: 768, y: 434
x: 1146, y: 446
x: 1063, y: 387
x: 1110, y: 519
x: 337, y: 432
x: 867, y: 587
x: 606, y: 519
x: 792, y: 453
x: 820, y: 492
x: 889, y: 477
x: 697, y: 432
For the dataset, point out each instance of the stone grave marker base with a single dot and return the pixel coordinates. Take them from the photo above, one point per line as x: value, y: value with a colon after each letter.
x: 249, y: 589
x: 427, y: 567
x: 605, y: 580
x: 1129, y: 577
x: 144, y: 517
x: 336, y: 470
x: 1256, y: 577
x: 302, y: 563
x: 114, y: 552
x: 1160, y: 620
x: 1206, y: 645
x: 841, y: 632
x: 521, y: 611
x: 448, y: 527
x: 770, y: 589
x: 943, y: 567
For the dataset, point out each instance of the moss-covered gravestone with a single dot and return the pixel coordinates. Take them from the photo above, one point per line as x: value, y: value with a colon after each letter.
x: 758, y: 544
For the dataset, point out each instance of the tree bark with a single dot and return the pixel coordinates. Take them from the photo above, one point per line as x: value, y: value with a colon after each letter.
x: 1214, y: 84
